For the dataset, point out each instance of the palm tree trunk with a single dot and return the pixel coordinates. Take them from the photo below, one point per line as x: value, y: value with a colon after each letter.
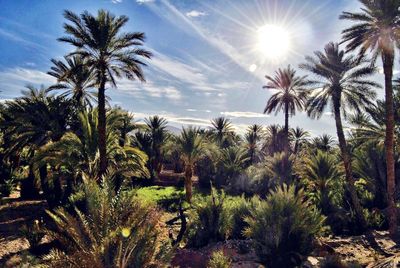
x: 286, y: 141
x: 387, y: 59
x: 101, y: 128
x: 28, y: 187
x: 188, y: 182
x: 287, y: 129
x: 347, y: 166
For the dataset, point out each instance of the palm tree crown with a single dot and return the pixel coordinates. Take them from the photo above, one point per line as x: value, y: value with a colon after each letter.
x: 75, y: 78
x: 288, y: 95
x: 341, y: 79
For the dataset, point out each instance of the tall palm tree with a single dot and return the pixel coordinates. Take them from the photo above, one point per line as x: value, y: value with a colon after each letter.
x: 377, y: 27
x: 300, y: 137
x: 75, y: 78
x: 341, y: 82
x: 223, y: 131
x: 288, y: 98
x: 191, y: 145
x: 110, y: 53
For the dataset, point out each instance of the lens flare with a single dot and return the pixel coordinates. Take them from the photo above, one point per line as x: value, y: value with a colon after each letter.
x: 273, y: 41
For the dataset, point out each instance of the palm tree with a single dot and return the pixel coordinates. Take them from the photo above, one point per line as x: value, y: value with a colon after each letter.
x: 110, y: 53
x: 341, y: 82
x: 321, y: 174
x: 378, y: 28
x: 32, y: 121
x: 75, y: 78
x: 78, y: 154
x: 157, y: 129
x: 274, y: 140
x: 288, y: 98
x: 223, y: 131
x: 232, y: 161
x: 323, y: 143
x: 252, y: 138
x: 191, y: 145
x: 300, y: 137
x: 123, y: 123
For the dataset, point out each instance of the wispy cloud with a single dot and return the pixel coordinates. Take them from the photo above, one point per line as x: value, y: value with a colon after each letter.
x: 13, y: 80
x: 144, y: 1
x: 195, y: 13
x: 244, y: 114
x: 149, y: 89
x: 180, y: 20
x: 116, y: 1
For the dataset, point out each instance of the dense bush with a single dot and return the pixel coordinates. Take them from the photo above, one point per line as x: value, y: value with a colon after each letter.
x: 237, y: 209
x: 209, y: 220
x: 283, y: 227
x: 219, y: 260
x: 114, y: 229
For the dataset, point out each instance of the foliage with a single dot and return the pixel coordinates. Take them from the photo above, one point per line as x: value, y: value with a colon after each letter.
x: 209, y: 221
x: 231, y: 163
x: 33, y: 232
x: 167, y: 197
x: 283, y: 227
x: 323, y: 178
x: 219, y: 260
x: 112, y: 229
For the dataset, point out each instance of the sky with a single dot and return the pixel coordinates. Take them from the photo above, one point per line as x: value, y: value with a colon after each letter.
x: 206, y: 61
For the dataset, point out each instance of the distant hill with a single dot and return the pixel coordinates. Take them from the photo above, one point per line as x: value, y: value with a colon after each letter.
x: 173, y: 129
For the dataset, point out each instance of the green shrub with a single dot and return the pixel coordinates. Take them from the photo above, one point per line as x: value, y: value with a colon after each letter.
x: 283, y: 227
x: 113, y: 229
x: 209, y: 220
x: 219, y: 260
x: 237, y: 209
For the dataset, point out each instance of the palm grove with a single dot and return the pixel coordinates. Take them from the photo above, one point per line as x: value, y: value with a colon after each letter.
x: 65, y: 144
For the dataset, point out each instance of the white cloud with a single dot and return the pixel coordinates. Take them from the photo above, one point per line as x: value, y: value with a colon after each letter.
x: 245, y: 114
x: 149, y: 89
x: 14, y: 80
x: 195, y: 13
x: 191, y: 110
x: 144, y: 1
x: 116, y: 1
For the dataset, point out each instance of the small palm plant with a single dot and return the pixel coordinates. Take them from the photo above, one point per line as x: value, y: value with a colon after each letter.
x: 283, y: 227
x: 322, y: 177
x: 113, y: 229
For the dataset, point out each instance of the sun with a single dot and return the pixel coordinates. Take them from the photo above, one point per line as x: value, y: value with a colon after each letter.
x: 273, y: 41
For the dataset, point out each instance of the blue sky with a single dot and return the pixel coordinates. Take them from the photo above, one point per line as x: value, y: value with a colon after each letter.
x: 202, y: 53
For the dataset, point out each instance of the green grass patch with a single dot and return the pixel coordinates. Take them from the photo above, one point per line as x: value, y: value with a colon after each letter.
x: 167, y: 197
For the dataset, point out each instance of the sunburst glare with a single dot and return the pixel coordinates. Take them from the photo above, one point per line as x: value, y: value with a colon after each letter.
x: 273, y: 41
